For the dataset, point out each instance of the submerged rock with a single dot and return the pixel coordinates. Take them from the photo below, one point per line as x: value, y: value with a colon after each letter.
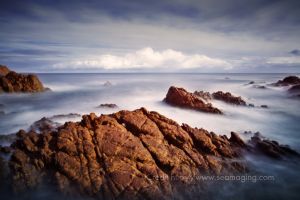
x: 181, y: 98
x: 287, y: 81
x: 13, y: 82
x: 228, y: 98
x: 138, y: 154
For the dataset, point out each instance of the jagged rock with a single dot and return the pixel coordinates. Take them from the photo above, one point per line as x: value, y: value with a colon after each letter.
x: 14, y: 82
x: 287, y: 81
x: 271, y: 148
x: 136, y: 155
x: 181, y: 98
x: 203, y: 95
x: 228, y: 98
x: 107, y: 105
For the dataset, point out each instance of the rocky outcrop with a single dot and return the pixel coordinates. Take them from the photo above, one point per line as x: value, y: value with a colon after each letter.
x: 295, y: 88
x: 136, y: 155
x: 11, y: 81
x: 228, y: 98
x: 287, y: 81
x: 181, y: 98
x: 271, y: 148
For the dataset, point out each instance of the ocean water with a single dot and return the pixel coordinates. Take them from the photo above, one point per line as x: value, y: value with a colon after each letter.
x: 82, y: 93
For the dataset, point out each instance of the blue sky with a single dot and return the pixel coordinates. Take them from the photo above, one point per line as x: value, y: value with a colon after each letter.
x: 150, y: 36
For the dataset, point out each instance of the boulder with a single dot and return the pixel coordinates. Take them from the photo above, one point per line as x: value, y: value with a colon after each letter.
x: 4, y: 70
x: 181, y: 98
x: 130, y: 154
x: 228, y: 98
x: 13, y: 82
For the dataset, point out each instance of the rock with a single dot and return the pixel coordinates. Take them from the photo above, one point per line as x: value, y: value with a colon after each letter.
x: 181, y: 98
x: 272, y: 148
x: 228, y: 98
x: 251, y: 105
x: 44, y: 124
x: 14, y: 82
x: 287, y: 81
x: 251, y: 82
x: 130, y: 154
x: 264, y: 106
x: 295, y: 88
x: 61, y: 116
x: 4, y: 70
x: 203, y: 95
x: 107, y: 84
x: 260, y: 86
x: 107, y: 105
x: 5, y: 149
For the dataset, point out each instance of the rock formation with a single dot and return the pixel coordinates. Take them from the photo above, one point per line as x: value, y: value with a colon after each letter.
x: 181, y: 98
x: 11, y: 81
x: 287, y: 81
x: 136, y: 154
x: 228, y: 98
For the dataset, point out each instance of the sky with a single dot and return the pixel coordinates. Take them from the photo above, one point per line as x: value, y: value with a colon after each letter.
x: 228, y: 36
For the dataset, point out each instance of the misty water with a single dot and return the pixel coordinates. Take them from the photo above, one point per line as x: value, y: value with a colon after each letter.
x: 83, y: 93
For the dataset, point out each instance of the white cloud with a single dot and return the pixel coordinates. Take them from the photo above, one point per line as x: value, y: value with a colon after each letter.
x: 147, y: 58
x: 284, y: 60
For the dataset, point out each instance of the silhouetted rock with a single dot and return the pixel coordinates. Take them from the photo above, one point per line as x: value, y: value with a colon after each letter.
x: 181, y: 98
x: 138, y: 154
x: 108, y: 105
x: 287, y: 81
x: 14, y: 82
x: 228, y: 98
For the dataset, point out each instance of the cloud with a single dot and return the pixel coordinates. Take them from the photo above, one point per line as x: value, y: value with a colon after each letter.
x: 290, y: 60
x: 147, y: 58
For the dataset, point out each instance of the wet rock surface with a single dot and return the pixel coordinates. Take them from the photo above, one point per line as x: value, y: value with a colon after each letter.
x: 138, y: 154
x: 11, y: 81
x: 228, y: 98
x: 181, y: 98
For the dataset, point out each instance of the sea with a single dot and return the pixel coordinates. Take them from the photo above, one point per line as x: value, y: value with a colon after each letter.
x: 83, y: 93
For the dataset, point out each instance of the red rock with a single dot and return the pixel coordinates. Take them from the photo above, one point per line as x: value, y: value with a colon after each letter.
x: 14, y: 82
x: 138, y: 154
x: 228, y: 98
x: 181, y: 98
x: 203, y: 95
x: 4, y: 70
